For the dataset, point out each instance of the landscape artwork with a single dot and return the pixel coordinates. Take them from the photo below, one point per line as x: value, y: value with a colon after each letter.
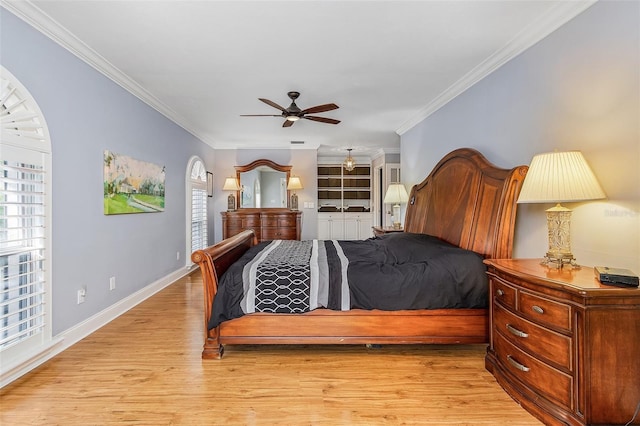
x: 132, y: 186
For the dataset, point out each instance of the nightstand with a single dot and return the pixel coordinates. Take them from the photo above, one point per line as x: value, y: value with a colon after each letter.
x: 381, y: 230
x: 562, y: 344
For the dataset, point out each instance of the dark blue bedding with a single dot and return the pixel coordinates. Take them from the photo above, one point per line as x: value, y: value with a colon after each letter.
x: 394, y: 271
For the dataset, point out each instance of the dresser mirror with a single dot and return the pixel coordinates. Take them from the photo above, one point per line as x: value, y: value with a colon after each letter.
x: 263, y: 184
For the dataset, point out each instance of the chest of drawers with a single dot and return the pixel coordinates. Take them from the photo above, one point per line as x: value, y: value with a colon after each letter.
x: 566, y: 347
x: 268, y: 224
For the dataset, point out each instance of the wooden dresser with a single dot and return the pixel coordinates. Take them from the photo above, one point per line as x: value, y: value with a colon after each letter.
x: 268, y: 224
x: 566, y: 347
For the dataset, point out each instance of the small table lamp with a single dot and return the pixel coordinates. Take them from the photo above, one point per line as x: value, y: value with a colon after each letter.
x: 294, y: 183
x: 396, y: 194
x: 557, y: 177
x: 231, y: 184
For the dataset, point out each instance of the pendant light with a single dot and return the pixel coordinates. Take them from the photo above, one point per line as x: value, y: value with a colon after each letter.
x: 349, y: 163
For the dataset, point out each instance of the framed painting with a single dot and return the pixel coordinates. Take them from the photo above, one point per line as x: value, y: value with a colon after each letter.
x: 209, y: 184
x: 132, y: 186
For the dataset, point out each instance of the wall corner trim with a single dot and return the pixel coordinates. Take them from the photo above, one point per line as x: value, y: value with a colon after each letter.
x: 42, y: 22
x: 527, y: 37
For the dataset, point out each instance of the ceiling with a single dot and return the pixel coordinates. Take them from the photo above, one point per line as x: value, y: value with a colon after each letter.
x: 386, y: 64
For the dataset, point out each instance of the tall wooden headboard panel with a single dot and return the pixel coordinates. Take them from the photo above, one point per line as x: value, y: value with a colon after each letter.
x: 468, y: 202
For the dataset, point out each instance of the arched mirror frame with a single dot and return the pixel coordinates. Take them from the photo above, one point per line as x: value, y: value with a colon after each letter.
x: 254, y: 165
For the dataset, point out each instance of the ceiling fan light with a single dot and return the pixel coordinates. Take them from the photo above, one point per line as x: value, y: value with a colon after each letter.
x: 293, y: 118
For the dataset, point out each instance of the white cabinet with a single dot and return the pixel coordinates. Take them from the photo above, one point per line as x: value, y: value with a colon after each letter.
x: 357, y: 226
x: 330, y: 226
x: 344, y: 226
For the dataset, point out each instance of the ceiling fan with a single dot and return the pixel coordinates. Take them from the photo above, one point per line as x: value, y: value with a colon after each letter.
x: 294, y: 113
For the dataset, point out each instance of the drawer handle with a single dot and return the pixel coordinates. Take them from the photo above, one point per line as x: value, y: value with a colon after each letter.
x: 516, y: 364
x: 537, y: 309
x: 516, y: 332
x: 500, y: 292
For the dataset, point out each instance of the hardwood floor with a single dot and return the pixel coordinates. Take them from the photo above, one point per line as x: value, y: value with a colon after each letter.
x: 144, y: 368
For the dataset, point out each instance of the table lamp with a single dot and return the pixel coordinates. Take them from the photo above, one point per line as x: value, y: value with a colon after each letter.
x: 231, y: 184
x: 294, y: 183
x: 396, y: 194
x: 557, y: 177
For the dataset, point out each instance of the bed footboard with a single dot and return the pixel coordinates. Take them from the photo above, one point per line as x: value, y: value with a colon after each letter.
x: 213, y: 262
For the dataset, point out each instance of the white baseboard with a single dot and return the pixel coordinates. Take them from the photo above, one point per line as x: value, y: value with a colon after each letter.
x: 78, y: 332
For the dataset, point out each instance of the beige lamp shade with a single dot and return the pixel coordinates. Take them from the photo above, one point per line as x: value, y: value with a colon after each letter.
x: 557, y: 177
x: 231, y: 184
x: 396, y: 194
x: 294, y: 183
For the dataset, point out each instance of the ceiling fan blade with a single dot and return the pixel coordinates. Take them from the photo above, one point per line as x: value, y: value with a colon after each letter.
x: 320, y: 108
x: 287, y: 123
x: 273, y: 104
x: 260, y: 115
x: 322, y: 119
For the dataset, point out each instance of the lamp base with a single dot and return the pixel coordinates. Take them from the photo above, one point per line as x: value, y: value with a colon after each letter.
x: 560, y: 260
x: 559, y: 230
x: 396, y: 217
x: 231, y: 203
x: 294, y: 202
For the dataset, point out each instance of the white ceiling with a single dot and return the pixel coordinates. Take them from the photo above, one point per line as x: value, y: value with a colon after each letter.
x: 387, y: 64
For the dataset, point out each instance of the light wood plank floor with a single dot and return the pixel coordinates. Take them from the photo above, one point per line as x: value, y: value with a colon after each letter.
x: 144, y: 368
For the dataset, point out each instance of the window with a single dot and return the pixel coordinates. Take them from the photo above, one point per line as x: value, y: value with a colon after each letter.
x: 25, y: 308
x: 198, y: 186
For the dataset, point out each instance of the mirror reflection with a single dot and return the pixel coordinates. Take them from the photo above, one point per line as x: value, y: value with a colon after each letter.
x: 263, y: 185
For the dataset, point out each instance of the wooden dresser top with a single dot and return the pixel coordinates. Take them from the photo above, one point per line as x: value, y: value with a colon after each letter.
x: 581, y: 280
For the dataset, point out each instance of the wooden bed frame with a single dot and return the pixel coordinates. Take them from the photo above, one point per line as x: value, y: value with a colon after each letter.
x: 465, y: 200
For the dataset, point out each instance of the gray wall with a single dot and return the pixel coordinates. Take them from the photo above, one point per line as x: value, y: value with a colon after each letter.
x: 578, y: 89
x: 87, y: 113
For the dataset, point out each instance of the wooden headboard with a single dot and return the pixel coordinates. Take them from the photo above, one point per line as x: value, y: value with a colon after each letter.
x: 468, y: 202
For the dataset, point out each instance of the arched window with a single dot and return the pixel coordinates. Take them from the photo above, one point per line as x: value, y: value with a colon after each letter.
x: 25, y: 231
x: 197, y: 190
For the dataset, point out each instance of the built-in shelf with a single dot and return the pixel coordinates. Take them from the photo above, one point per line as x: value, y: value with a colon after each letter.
x: 341, y: 190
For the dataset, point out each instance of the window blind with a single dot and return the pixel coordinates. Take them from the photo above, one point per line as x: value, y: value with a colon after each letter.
x: 22, y: 250
x: 198, y: 219
x: 198, y: 206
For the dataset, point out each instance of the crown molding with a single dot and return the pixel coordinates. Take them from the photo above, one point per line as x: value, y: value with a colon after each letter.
x: 262, y: 147
x: 383, y: 152
x: 42, y: 22
x: 333, y: 160
x: 378, y: 154
x: 553, y: 19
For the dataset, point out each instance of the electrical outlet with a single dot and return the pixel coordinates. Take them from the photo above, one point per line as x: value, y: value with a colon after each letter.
x: 112, y: 283
x: 177, y: 255
x: 82, y: 293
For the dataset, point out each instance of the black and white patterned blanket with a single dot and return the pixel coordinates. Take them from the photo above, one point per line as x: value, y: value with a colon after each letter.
x: 292, y: 277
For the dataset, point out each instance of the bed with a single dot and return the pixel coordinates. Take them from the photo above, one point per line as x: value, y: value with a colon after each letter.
x: 465, y: 202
